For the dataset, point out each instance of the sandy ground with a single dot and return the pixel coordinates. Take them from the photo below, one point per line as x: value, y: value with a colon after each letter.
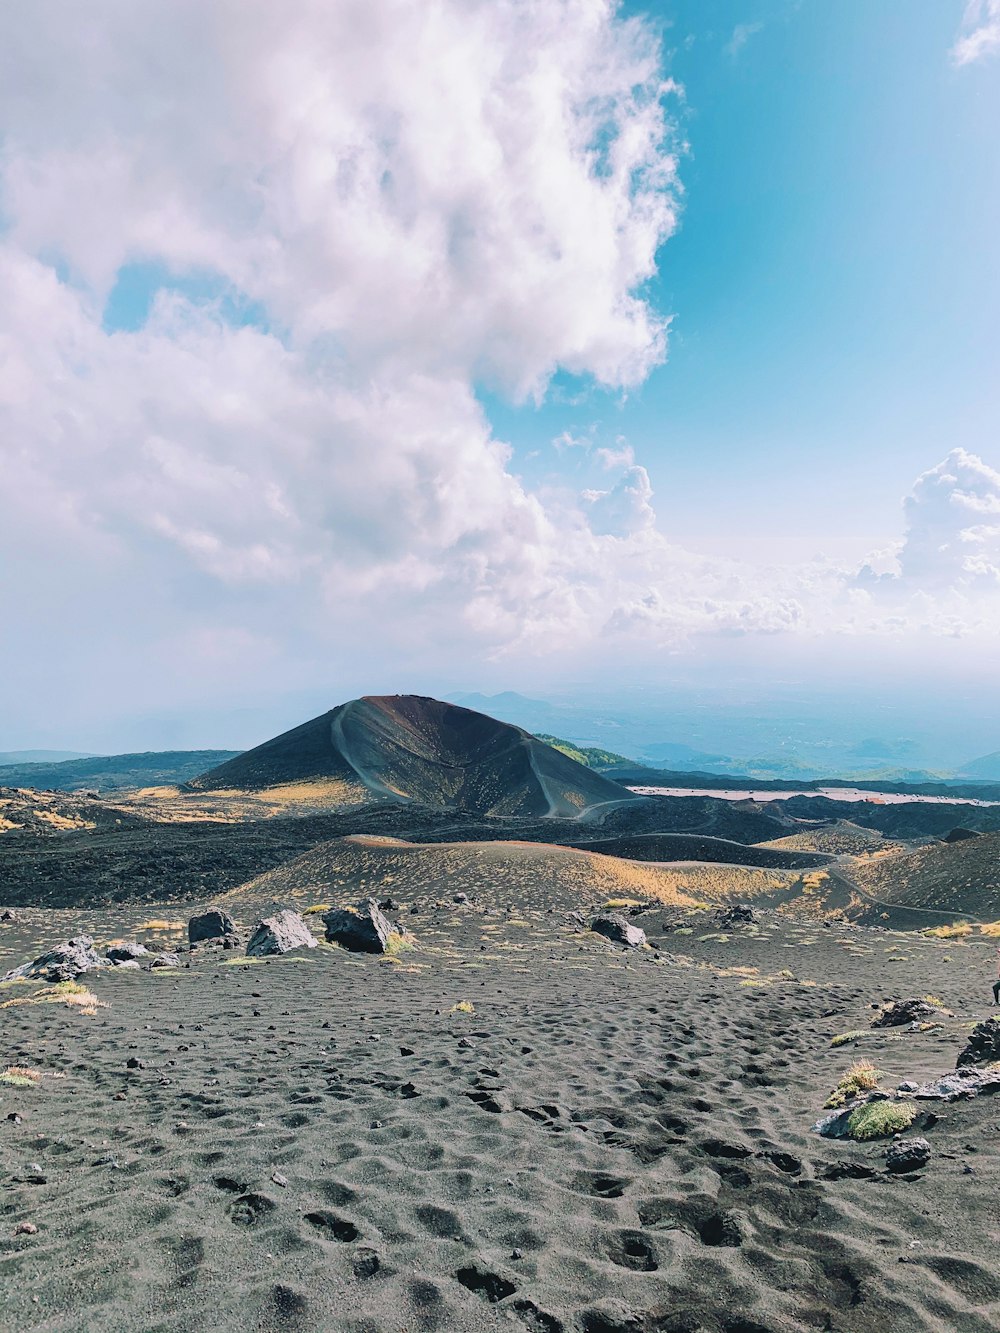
x: 604, y: 1142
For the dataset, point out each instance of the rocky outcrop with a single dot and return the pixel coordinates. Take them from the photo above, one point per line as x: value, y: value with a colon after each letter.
x: 362, y: 929
x: 280, y: 933
x: 900, y: 1012
x: 615, y: 928
x: 983, y: 1046
x: 63, y: 963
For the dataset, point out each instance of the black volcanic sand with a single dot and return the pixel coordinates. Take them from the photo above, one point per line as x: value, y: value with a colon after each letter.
x: 607, y: 1142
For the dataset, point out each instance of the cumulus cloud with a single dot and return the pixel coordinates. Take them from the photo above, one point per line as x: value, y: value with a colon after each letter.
x: 407, y: 203
x: 980, y: 32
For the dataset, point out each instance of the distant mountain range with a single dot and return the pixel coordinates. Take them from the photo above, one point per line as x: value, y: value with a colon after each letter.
x: 636, y: 742
x: 9, y: 757
x: 114, y: 772
x: 623, y: 746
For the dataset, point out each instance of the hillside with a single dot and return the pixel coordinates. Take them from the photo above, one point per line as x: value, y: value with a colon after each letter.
x: 408, y: 748
x: 953, y: 879
x: 526, y: 876
x: 114, y: 772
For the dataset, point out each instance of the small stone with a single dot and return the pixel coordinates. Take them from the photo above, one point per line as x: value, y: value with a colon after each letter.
x: 120, y: 1097
x: 516, y: 1254
x: 279, y: 1179
x: 366, y: 1262
x: 25, y: 1229
x: 133, y: 1062
x: 14, y: 1118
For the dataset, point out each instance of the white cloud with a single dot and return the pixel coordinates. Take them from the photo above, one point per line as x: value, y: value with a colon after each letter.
x: 980, y: 32
x: 741, y: 35
x: 417, y: 199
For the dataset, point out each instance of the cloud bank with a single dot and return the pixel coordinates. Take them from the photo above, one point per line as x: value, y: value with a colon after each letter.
x: 257, y: 265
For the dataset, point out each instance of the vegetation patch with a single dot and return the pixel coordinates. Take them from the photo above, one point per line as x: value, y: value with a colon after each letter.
x: 64, y: 992
x: 463, y: 1007
x: 844, y: 1038
x: 878, y: 1120
x: 19, y: 1076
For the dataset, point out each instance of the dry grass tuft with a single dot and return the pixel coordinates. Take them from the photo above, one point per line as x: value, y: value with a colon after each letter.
x: 861, y: 1077
x: 463, y: 1007
x: 65, y: 992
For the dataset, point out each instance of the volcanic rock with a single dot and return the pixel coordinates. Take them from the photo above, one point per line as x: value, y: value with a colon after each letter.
x: 280, y: 933
x: 363, y: 929
x: 900, y: 1012
x: 907, y: 1155
x: 740, y: 914
x: 126, y: 952
x: 212, y: 925
x: 63, y: 963
x: 983, y: 1046
x: 615, y: 928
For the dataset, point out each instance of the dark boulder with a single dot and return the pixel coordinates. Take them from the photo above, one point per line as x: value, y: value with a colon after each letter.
x: 280, y: 933
x: 615, y: 928
x: 983, y: 1046
x: 63, y: 963
x: 211, y: 925
x: 362, y: 929
x: 8, y: 915
x: 900, y: 1012
x: 907, y: 1155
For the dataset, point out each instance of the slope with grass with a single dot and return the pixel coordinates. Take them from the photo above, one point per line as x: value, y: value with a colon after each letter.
x: 943, y: 879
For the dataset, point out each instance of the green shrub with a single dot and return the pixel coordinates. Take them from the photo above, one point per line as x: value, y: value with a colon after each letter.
x: 878, y: 1120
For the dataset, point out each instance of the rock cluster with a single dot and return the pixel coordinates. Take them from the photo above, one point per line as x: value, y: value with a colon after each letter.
x: 740, y: 914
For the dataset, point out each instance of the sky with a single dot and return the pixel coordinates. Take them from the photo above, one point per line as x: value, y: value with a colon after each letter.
x: 580, y: 349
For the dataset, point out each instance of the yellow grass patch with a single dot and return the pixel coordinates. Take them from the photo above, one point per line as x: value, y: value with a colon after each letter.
x: 958, y: 930
x: 463, y: 1007
x: 159, y: 923
x: 991, y: 929
x: 66, y: 992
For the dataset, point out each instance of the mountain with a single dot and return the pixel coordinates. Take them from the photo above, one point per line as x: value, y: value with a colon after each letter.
x: 9, y: 757
x: 985, y: 769
x: 113, y: 772
x: 413, y: 749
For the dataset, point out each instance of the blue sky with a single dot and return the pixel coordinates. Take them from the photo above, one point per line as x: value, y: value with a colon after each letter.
x: 834, y: 283
x: 331, y: 356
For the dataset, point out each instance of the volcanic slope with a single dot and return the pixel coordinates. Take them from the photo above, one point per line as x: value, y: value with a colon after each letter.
x: 527, y: 875
x: 409, y: 748
x: 942, y: 880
